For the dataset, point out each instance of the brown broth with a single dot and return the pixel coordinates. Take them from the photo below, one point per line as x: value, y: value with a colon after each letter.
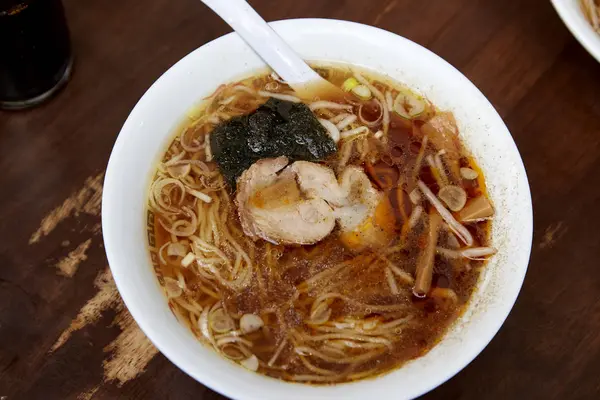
x: 276, y: 289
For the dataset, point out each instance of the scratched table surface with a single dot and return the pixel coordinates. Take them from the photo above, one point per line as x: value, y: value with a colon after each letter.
x: 64, y: 332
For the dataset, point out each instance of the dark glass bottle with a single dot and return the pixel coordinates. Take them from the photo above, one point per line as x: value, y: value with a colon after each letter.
x: 35, y: 51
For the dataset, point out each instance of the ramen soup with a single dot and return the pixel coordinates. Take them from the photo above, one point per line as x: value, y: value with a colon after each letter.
x: 316, y: 240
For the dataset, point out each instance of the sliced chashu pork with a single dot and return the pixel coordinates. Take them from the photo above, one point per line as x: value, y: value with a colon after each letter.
x: 271, y: 207
x: 302, y: 203
x: 353, y: 197
x: 364, y: 214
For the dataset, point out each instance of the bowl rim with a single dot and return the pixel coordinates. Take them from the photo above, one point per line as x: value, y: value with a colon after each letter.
x: 217, y: 384
x: 572, y: 16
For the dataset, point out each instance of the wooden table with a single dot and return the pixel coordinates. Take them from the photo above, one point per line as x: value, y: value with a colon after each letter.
x: 64, y: 333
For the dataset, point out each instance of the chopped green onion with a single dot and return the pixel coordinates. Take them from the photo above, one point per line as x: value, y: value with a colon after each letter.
x: 363, y: 92
x: 408, y: 105
x: 350, y: 84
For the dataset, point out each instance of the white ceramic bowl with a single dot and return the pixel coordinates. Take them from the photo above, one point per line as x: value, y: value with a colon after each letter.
x: 150, y: 125
x: 572, y: 15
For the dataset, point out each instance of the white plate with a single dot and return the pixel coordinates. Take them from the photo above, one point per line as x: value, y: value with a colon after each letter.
x: 150, y: 125
x: 572, y: 15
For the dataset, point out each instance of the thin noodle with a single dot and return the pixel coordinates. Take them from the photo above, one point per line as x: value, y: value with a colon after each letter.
x: 277, y: 352
x: 280, y: 96
x: 315, y: 378
x: 316, y: 369
x: 344, y: 360
x: 350, y: 336
x: 209, y: 292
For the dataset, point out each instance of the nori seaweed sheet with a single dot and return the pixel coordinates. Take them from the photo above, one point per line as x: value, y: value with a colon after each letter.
x: 276, y: 128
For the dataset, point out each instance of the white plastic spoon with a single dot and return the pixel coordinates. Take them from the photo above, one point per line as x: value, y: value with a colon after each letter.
x: 273, y: 50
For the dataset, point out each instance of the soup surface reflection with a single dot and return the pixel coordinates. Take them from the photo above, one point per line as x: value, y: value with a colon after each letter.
x: 336, y: 255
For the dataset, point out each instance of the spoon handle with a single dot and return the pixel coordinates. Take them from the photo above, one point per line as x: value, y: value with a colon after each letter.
x: 263, y: 40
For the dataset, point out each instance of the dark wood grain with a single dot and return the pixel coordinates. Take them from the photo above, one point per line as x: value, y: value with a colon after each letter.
x: 544, y: 85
